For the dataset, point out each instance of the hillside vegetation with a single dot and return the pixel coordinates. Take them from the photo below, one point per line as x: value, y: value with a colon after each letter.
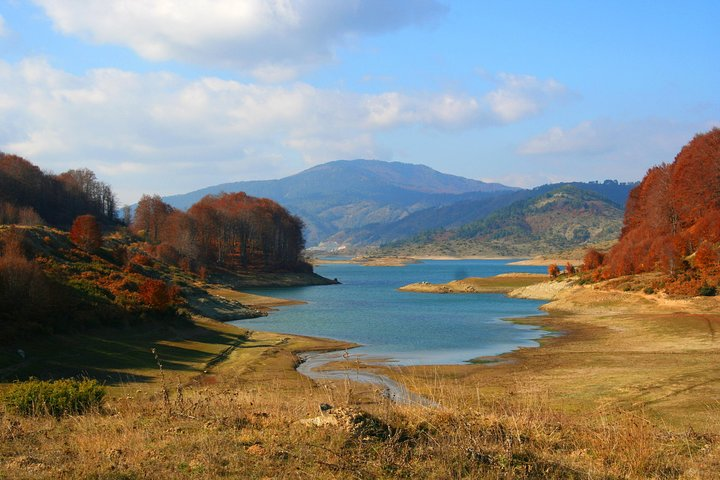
x: 672, y: 222
x: 91, y: 271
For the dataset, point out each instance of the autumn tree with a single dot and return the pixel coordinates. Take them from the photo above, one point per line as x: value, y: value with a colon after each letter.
x: 569, y: 268
x: 706, y: 257
x: 150, y: 217
x: 158, y: 295
x: 553, y: 270
x: 672, y: 213
x: 86, y: 234
x: 592, y: 260
x: 24, y: 294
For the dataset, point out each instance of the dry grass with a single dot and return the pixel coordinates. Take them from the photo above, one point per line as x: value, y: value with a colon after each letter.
x: 252, y: 430
x: 621, y: 395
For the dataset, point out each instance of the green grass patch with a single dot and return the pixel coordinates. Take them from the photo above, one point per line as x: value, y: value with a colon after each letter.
x: 57, y: 398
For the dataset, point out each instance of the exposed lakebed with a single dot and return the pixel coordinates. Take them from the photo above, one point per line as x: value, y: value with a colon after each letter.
x: 406, y: 328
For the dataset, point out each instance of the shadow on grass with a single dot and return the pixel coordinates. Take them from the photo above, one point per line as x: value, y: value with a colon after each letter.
x: 118, y: 356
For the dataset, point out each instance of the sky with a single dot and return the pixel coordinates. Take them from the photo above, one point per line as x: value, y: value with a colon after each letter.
x: 169, y: 96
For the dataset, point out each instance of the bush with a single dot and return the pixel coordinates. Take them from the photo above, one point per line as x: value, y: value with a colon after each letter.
x: 649, y: 290
x: 56, y: 398
x: 707, y: 291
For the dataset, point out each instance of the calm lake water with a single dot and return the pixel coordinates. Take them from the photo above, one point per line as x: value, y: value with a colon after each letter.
x: 408, y: 328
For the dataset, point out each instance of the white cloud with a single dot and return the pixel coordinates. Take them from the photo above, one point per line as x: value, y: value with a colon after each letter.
x: 520, y: 96
x: 3, y: 27
x: 583, y: 138
x: 270, y: 38
x: 607, y: 148
x: 138, y: 127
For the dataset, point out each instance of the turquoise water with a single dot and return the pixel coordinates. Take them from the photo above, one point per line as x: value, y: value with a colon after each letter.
x: 409, y: 328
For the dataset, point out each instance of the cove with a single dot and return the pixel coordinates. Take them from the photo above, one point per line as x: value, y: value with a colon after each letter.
x: 406, y: 328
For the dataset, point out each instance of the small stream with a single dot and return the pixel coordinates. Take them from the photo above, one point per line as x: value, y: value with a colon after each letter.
x: 391, y: 389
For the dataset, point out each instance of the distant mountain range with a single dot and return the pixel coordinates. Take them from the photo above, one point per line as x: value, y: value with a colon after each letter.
x: 346, y: 194
x: 371, y: 202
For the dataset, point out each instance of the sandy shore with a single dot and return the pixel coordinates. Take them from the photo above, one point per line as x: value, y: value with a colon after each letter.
x: 370, y: 261
x: 542, y: 261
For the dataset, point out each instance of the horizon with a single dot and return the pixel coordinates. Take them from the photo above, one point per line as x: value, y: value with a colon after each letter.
x: 522, y: 95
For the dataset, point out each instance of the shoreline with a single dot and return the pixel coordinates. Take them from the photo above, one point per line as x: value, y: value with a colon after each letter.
x: 610, y: 348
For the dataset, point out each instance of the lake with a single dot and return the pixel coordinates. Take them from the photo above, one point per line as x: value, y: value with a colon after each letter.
x: 405, y: 327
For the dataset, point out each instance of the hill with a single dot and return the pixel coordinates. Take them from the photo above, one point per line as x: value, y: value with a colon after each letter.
x: 470, y: 208
x: 549, y: 219
x: 348, y: 194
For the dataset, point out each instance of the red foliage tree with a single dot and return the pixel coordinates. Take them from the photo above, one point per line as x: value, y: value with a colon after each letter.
x: 569, y: 268
x: 86, y: 234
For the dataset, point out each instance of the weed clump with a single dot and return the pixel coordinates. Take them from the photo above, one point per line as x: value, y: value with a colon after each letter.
x: 707, y: 291
x: 57, y: 398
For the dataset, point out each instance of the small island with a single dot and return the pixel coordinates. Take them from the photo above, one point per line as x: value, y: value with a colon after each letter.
x: 503, y: 283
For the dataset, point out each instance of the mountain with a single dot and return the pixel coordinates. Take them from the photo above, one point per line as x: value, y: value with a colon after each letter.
x: 549, y: 218
x: 348, y: 194
x: 471, y: 208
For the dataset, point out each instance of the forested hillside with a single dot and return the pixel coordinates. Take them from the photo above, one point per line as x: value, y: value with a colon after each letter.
x: 549, y: 219
x: 672, y: 220
x: 86, y: 269
x: 233, y: 231
x: 29, y: 196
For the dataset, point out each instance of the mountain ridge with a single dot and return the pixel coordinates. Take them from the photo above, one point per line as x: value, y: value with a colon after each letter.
x: 344, y: 194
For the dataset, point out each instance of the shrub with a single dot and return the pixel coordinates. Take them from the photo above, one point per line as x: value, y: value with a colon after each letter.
x: 707, y: 291
x: 553, y: 270
x: 569, y: 268
x: 649, y: 290
x: 56, y: 398
x: 157, y: 295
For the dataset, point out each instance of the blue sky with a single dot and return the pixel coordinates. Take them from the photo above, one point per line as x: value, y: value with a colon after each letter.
x: 170, y: 96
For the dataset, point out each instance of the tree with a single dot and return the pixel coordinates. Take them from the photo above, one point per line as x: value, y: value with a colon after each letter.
x: 86, y: 234
x: 150, y: 216
x: 592, y: 260
x: 706, y: 257
x: 157, y: 295
x: 553, y: 270
x: 569, y: 268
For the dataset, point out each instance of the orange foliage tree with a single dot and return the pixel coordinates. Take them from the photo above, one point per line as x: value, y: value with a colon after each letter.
x: 157, y: 295
x: 86, y: 234
x: 553, y: 270
x: 673, y: 213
